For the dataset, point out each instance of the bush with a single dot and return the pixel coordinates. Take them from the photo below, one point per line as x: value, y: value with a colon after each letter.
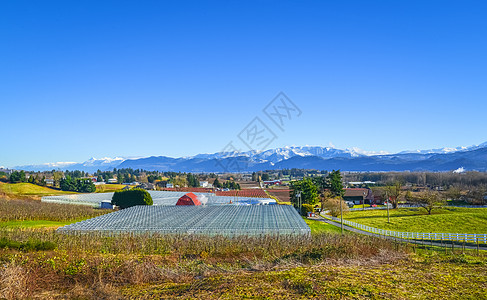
x: 31, y: 245
x: 306, y: 208
x: 133, y: 197
x: 333, y: 206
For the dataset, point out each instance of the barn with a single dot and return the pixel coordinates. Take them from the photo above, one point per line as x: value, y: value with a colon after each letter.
x: 189, y: 199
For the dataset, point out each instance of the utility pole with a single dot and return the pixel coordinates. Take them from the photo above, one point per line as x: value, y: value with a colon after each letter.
x: 298, y: 195
x: 341, y: 214
x: 387, y: 197
x: 363, y: 202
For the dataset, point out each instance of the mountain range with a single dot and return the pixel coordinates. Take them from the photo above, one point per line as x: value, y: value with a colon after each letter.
x: 307, y: 157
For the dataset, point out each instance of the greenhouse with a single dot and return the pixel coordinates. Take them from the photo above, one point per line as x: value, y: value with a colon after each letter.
x: 228, y: 220
x: 160, y: 198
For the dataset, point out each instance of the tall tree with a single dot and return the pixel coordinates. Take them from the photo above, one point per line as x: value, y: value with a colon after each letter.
x: 217, y: 183
x: 308, y: 191
x: 336, y: 184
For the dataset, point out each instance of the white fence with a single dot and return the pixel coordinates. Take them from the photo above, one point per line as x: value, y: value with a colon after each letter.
x: 358, y: 208
x: 459, y: 237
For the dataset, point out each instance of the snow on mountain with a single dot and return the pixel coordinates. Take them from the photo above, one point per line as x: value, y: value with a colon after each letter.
x: 105, y: 161
x: 90, y: 165
x: 270, y: 157
x: 445, y: 150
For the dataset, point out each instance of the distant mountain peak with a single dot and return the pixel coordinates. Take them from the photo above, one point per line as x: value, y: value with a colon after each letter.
x: 288, y: 157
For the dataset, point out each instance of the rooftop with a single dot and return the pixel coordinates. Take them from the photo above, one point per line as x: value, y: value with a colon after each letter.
x: 210, y: 220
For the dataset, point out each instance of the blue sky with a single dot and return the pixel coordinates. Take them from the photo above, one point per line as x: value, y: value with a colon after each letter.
x: 138, y: 78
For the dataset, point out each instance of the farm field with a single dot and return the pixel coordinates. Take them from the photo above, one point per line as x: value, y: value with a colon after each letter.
x: 106, y: 188
x: 39, y: 261
x: 447, y: 220
x: 32, y: 212
x: 281, y: 194
x: 28, y: 190
x: 34, y: 224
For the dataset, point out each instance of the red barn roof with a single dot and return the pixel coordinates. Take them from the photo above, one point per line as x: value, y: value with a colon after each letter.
x: 188, y: 199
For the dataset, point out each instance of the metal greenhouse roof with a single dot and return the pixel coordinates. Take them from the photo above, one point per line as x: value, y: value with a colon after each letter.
x: 211, y: 220
x: 159, y: 198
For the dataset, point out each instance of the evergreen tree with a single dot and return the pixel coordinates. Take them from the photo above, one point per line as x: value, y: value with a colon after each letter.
x: 336, y: 184
x: 217, y: 183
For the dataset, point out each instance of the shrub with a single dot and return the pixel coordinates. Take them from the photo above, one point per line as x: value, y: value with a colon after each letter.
x: 133, y: 197
x: 31, y: 245
x: 306, y: 208
x: 333, y: 206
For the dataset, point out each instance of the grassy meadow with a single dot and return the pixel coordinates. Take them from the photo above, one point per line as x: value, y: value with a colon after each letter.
x: 28, y: 190
x: 106, y: 188
x: 318, y: 227
x: 447, y: 220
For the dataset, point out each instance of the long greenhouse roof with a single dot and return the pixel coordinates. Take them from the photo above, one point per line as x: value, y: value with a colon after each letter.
x: 211, y: 220
x: 158, y: 197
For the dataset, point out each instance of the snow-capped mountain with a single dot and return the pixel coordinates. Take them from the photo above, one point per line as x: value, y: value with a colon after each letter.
x: 352, y: 159
x: 90, y: 165
x: 445, y: 149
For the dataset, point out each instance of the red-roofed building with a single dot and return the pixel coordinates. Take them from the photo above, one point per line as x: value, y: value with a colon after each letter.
x: 188, y: 199
x: 359, y: 195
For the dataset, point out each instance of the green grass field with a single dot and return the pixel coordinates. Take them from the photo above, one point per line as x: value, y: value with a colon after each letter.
x: 106, y: 188
x: 447, y: 220
x: 34, y: 224
x: 321, y: 227
x: 28, y: 189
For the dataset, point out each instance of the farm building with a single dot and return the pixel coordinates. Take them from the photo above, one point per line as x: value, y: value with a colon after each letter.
x: 359, y: 195
x: 225, y: 220
x: 188, y: 199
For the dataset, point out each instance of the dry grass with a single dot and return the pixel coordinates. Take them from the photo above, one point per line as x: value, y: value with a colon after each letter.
x: 24, y: 210
x: 91, y: 266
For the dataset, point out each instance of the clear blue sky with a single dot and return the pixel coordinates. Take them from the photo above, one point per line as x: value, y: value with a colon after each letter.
x: 137, y: 78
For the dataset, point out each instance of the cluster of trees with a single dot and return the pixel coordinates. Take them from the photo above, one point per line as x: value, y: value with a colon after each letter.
x: 192, y: 180
x: 229, y: 184
x: 20, y: 176
x: 310, y: 191
x: 17, y: 176
x: 425, y: 179
x: 76, y: 174
x: 77, y: 185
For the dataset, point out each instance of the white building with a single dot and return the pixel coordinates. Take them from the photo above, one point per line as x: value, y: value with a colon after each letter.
x: 204, y: 184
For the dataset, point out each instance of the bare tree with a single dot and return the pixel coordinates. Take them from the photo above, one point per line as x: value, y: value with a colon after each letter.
x: 476, y: 195
x: 428, y: 200
x: 394, y: 193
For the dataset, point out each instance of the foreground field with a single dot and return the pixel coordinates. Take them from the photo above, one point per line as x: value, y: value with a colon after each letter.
x: 27, y: 190
x: 453, y: 220
x: 49, y: 265
x: 448, y: 277
x: 38, y: 262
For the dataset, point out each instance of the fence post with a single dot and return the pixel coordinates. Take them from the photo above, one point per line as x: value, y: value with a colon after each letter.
x: 478, y: 247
